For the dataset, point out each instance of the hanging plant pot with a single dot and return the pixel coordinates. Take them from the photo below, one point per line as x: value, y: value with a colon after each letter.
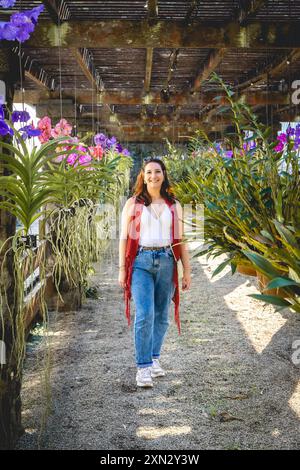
x: 246, y: 269
x: 263, y: 281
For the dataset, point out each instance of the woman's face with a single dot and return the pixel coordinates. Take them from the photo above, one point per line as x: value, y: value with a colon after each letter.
x: 153, y: 175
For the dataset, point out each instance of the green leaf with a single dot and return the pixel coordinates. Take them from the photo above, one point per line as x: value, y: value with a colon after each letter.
x: 221, y: 267
x: 271, y: 299
x: 262, y: 264
x: 286, y: 234
x: 233, y: 268
x: 278, y: 282
x: 267, y: 235
x: 293, y: 275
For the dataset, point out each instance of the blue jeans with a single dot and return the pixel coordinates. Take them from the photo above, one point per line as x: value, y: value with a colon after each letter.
x: 152, y: 290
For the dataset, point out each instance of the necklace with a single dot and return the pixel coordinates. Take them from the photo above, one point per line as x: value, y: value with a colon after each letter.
x: 159, y: 212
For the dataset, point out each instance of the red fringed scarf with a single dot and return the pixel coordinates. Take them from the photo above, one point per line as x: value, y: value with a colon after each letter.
x: 131, y: 250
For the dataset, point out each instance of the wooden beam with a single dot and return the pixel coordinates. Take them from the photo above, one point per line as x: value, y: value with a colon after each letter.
x: 169, y: 34
x: 211, y: 64
x: 248, y: 10
x: 212, y: 113
x: 288, y: 113
x: 126, y: 98
x: 34, y: 72
x: 52, y: 108
x: 143, y: 134
x: 140, y: 133
x: 159, y: 121
x: 39, y: 79
x: 149, y: 62
x: 271, y: 70
x: 85, y: 61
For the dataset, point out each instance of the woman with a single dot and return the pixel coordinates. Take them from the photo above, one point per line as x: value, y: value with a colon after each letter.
x: 150, y: 238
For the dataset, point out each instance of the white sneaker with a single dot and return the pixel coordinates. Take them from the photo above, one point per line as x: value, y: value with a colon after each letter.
x: 143, y: 377
x: 156, y: 369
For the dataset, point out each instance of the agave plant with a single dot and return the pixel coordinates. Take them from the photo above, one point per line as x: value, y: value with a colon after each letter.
x: 243, y: 194
x: 281, y: 265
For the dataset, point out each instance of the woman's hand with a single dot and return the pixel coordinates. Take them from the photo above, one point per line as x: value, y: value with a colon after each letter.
x: 186, y: 280
x: 122, y: 277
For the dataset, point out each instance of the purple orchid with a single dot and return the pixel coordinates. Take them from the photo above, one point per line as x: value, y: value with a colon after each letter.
x: 100, y: 139
x: 8, y: 31
x: 22, y: 21
x: 218, y: 147
x: 20, y: 25
x: 23, y: 24
x: 5, y: 129
x: 290, y: 132
x: 228, y: 154
x: 35, y: 13
x: 119, y: 148
x: 20, y: 116
x: 23, y: 34
x: 126, y: 153
x: 29, y: 131
x: 7, y: 3
x: 2, y: 116
x: 297, y: 137
x: 111, y: 142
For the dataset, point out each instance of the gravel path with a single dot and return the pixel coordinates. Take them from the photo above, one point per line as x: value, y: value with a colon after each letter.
x: 230, y: 384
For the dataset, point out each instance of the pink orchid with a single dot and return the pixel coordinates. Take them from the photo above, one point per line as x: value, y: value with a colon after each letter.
x: 85, y: 159
x: 61, y: 128
x: 44, y: 125
x: 96, y: 152
x: 282, y: 137
x: 279, y: 147
x: 81, y: 148
x: 59, y: 158
x: 72, y: 159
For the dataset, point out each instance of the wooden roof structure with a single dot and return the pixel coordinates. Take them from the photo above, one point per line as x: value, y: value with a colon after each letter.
x: 138, y: 69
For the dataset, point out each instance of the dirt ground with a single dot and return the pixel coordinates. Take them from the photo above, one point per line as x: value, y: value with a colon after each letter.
x: 230, y: 383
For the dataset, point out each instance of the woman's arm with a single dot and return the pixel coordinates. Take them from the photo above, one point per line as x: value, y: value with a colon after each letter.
x: 184, y: 254
x: 125, y: 217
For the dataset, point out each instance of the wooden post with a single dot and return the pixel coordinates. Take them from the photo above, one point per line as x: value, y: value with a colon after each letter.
x: 10, y: 382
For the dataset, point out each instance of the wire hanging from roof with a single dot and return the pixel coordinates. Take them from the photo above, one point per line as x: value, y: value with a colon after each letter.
x: 59, y: 67
x: 75, y: 103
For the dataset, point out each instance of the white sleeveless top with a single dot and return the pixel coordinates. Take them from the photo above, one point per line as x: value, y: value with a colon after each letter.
x: 155, y: 231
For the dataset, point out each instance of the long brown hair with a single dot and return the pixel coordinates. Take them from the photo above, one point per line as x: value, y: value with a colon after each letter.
x: 140, y: 188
